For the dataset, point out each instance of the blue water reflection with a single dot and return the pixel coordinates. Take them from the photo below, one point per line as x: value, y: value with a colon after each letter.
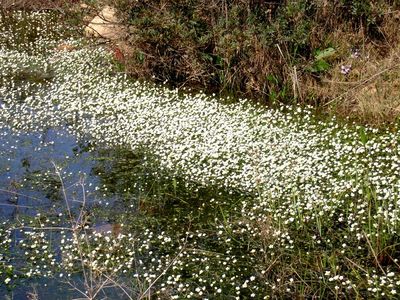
x: 28, y: 177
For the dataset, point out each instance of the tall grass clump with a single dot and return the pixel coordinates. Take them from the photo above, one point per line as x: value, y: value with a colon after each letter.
x: 295, y: 206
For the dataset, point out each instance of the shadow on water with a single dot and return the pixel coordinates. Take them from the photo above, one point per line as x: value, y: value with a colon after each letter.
x: 28, y: 178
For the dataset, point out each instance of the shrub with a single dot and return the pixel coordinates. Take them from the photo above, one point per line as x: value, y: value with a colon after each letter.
x: 236, y: 47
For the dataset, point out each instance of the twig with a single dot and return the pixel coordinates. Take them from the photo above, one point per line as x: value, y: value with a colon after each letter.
x: 117, y: 284
x: 16, y: 205
x: 19, y: 194
x: 64, y: 192
x: 354, y: 264
x: 361, y: 83
x: 374, y: 254
x: 163, y: 272
x: 45, y: 228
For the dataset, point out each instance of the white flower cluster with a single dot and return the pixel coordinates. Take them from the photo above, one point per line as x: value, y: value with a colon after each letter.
x: 6, y: 268
x: 304, y: 173
x: 282, y: 155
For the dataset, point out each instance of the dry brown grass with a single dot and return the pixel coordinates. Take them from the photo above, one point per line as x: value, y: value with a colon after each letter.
x: 370, y: 93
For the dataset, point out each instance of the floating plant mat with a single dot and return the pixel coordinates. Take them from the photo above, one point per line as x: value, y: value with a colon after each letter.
x: 213, y: 199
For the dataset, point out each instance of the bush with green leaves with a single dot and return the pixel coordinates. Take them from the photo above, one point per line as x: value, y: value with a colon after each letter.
x: 233, y: 46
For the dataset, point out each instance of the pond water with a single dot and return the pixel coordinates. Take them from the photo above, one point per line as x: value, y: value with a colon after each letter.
x: 36, y: 168
x: 28, y: 164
